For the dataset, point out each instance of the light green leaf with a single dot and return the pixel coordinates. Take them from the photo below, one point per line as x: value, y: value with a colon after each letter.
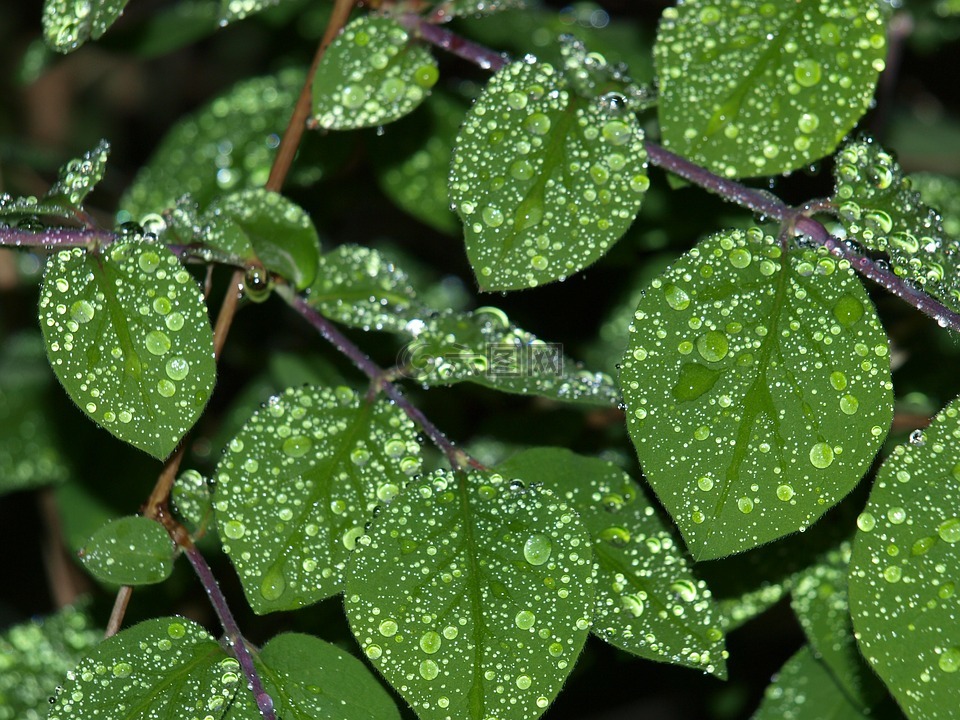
x: 544, y: 181
x: 267, y: 225
x: 805, y: 690
x: 472, y: 596
x: 163, y: 669
x: 757, y: 385
x: 130, y: 551
x: 905, y: 569
x: 357, y: 286
x: 648, y: 601
x: 29, y: 449
x: 483, y: 347
x: 309, y: 679
x: 35, y: 656
x: 233, y: 10
x: 479, y: 7
x: 127, y: 335
x: 74, y: 182
x: 69, y: 24
x: 371, y: 74
x: 297, y: 485
x: 191, y: 498
x: 880, y: 211
x: 803, y: 70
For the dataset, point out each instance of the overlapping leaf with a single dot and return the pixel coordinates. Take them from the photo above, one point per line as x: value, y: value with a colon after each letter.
x: 648, y: 601
x: 905, y: 570
x: 191, y: 498
x: 127, y: 335
x: 371, y: 74
x: 68, y: 24
x: 757, y: 385
x: 802, y: 70
x: 543, y: 180
x: 297, y: 485
x: 130, y: 551
x: 472, y: 596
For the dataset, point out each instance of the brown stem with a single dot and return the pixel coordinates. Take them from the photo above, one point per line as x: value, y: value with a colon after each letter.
x: 119, y: 610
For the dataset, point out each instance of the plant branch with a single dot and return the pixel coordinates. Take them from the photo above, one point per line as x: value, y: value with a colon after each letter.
x: 482, y: 57
x: 119, y: 610
x: 55, y: 238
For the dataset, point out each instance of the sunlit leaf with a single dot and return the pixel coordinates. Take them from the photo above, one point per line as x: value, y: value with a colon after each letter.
x: 130, y: 551
x: 127, y: 335
x: 757, y: 385
x: 802, y: 70
x: 543, y: 180
x: 472, y: 596
x: 68, y: 24
x: 297, y: 485
x: 905, y: 569
x: 648, y: 602
x: 371, y: 74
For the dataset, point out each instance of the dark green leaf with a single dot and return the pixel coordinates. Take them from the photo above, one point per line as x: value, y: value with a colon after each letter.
x: 127, y: 335
x: 943, y: 193
x: 544, y: 181
x: 68, y: 24
x: 757, y: 385
x: 130, y: 551
x: 479, y: 7
x: 297, y: 485
x: 648, y: 602
x: 191, y: 498
x: 371, y: 75
x: 802, y: 70
x: 472, y: 596
x: 905, y: 569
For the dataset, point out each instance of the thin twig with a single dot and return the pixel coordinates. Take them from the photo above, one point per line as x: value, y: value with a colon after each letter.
x: 119, y: 610
x: 55, y: 238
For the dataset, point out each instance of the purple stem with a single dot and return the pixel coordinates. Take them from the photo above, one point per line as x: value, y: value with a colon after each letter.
x: 54, y: 238
x: 481, y: 56
x: 231, y: 631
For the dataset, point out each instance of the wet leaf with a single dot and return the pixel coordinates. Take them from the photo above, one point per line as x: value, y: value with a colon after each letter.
x: 480, y: 7
x: 757, y: 385
x: 484, y: 348
x: 805, y: 690
x: 127, y: 335
x: 297, y: 484
x: 29, y: 449
x: 233, y: 10
x: 69, y: 24
x: 165, y: 669
x: 802, y: 70
x: 880, y: 211
x: 943, y: 193
x: 130, y: 551
x: 191, y: 498
x: 543, y: 180
x: 472, y: 596
x: 905, y: 569
x: 358, y: 286
x: 36, y: 655
x: 266, y: 225
x: 75, y: 181
x: 372, y: 74
x: 648, y: 601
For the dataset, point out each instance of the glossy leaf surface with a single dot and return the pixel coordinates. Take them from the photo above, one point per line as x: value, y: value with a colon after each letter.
x: 803, y: 70
x: 905, y: 570
x: 130, y: 551
x: 757, y: 385
x: 127, y: 335
x: 472, y: 596
x: 371, y: 74
x: 543, y: 180
x: 648, y: 601
x: 68, y: 25
x: 297, y: 484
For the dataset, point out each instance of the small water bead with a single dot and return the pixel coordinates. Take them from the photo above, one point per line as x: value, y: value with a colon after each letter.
x: 492, y: 217
x: 705, y: 483
x: 808, y: 123
x: 923, y: 546
x: 745, y: 505
x: 949, y: 660
x: 234, y: 529
x: 896, y: 515
x: 537, y: 549
x: 177, y: 368
x: 274, y: 584
x: 82, y: 312
x: 713, y: 346
x: 537, y: 124
x: 866, y: 522
x: 525, y: 619
x: 388, y: 628
x: 892, y: 574
x: 785, y: 493
x: 524, y: 682
x: 949, y: 530
x: 615, y: 536
x: 821, y: 455
x: 849, y: 405
x: 450, y: 632
x: 740, y: 258
x: 676, y: 297
x: 430, y: 642
x: 296, y: 446
x: 542, y: 702
x: 429, y: 670
x: 807, y: 72
x: 616, y: 132
x: 522, y: 169
x: 122, y: 670
x: 373, y: 651
x: 174, y: 321
x: 166, y: 388
x: 158, y: 342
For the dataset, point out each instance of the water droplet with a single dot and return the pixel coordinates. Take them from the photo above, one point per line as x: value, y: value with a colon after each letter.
x: 234, y: 529
x: 537, y: 124
x: 177, y: 368
x: 274, y: 583
x: 949, y: 660
x: 297, y: 446
x: 713, y: 346
x: 388, y: 628
x: 892, y: 574
x: 745, y: 505
x: 525, y: 619
x: 524, y: 682
x: 429, y: 670
x: 616, y: 536
x: 430, y: 642
x: 866, y: 522
x: 785, y: 493
x: 676, y: 297
x: 949, y: 530
x: 537, y: 548
x: 821, y: 455
x: 848, y: 310
x: 807, y: 72
x: 82, y: 312
x: 158, y: 342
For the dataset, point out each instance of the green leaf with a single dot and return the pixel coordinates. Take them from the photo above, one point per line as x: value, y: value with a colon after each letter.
x: 231, y: 10
x: 648, y: 601
x: 805, y: 690
x: 484, y: 348
x: 163, y: 669
x: 75, y: 181
x: 68, y: 25
x: 130, y: 551
x: 543, y: 180
x: 192, y: 499
x: 757, y: 385
x: 29, y: 450
x: 263, y: 224
x: 127, y: 335
x: 819, y: 601
x: 905, y: 569
x: 297, y: 485
x: 452, y: 8
x: 803, y: 70
x: 472, y: 596
x: 943, y: 193
x: 880, y: 211
x: 35, y: 656
x: 309, y: 679
x: 357, y: 286
x: 372, y: 74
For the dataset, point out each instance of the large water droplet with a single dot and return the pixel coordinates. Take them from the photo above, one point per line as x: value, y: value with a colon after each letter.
x: 821, y: 455
x: 537, y: 548
x: 274, y: 583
